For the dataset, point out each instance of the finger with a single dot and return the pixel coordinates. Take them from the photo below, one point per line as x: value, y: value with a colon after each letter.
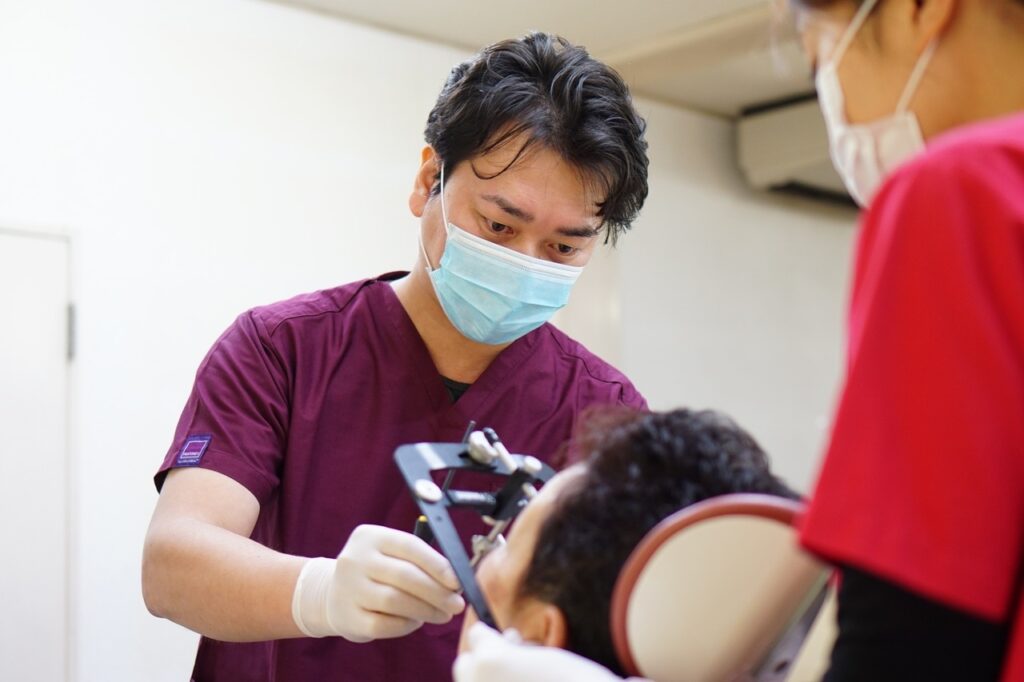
x: 414, y: 550
x: 389, y: 601
x: 386, y: 626
x: 409, y: 578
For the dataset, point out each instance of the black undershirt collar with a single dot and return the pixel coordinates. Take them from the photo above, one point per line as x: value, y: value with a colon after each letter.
x: 455, y: 388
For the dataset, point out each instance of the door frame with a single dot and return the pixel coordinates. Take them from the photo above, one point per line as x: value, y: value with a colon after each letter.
x: 70, y: 473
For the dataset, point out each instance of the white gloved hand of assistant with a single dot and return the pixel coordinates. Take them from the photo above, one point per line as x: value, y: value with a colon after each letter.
x: 384, y: 583
x: 494, y: 657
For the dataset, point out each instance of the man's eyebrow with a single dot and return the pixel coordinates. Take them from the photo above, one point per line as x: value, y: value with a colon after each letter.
x: 508, y: 207
x: 516, y: 212
x: 584, y: 232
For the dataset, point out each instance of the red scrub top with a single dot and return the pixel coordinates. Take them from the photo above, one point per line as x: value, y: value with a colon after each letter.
x: 304, y: 402
x: 923, y: 482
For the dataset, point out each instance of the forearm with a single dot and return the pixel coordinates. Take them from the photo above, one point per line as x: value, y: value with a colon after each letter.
x: 218, y: 583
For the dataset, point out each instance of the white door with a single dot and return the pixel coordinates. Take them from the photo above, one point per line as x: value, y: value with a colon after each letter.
x: 33, y: 457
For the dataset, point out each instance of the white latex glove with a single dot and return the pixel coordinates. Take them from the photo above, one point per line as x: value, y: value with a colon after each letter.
x: 384, y: 583
x: 494, y: 657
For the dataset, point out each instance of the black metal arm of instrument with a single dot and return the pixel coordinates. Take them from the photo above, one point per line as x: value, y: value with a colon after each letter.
x: 417, y: 462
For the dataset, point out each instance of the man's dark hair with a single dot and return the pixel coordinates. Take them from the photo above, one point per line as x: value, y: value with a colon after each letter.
x: 560, y: 98
x: 640, y: 469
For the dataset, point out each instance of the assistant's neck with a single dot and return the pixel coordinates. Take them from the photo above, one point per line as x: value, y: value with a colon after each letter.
x: 455, y: 356
x: 990, y: 44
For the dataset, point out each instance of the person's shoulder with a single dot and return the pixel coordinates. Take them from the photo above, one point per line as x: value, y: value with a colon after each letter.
x: 977, y: 146
x: 982, y: 159
x: 968, y: 177
x: 1005, y: 133
x: 310, y: 306
x: 591, y: 367
x: 571, y: 350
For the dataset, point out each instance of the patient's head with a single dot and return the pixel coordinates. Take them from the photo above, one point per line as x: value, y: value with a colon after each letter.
x: 553, y: 581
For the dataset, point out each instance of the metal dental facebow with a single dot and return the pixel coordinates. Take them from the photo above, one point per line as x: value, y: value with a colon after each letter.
x: 480, y: 452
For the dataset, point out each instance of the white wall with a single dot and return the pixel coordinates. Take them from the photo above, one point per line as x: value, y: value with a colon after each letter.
x: 733, y: 299
x: 205, y: 156
x: 722, y: 297
x: 209, y: 155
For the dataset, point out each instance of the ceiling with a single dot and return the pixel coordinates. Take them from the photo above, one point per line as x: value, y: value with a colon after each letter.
x: 716, y: 56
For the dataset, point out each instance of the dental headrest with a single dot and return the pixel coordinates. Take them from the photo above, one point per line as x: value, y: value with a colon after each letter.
x: 709, y: 592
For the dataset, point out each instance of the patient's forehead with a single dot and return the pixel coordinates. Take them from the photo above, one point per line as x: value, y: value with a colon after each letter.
x: 540, y: 507
x: 559, y: 483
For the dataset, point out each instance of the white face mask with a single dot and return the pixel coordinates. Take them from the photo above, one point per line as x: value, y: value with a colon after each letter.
x: 865, y: 154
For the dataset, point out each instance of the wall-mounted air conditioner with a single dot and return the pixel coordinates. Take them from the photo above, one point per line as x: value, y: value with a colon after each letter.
x: 785, y: 147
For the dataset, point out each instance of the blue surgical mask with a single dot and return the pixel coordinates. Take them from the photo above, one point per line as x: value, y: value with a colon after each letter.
x: 492, y: 294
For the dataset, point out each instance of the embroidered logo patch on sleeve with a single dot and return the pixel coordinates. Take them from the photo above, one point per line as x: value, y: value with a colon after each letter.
x: 193, y: 450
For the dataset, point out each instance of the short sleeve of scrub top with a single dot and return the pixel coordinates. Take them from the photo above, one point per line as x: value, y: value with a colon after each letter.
x: 923, y: 482
x: 235, y: 421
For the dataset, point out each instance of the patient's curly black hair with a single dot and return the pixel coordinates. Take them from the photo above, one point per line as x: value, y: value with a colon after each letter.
x: 640, y: 468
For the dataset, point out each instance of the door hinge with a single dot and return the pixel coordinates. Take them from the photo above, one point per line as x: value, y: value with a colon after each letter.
x: 71, y: 332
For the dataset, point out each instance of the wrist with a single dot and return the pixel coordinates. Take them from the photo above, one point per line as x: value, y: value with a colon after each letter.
x: 309, y: 600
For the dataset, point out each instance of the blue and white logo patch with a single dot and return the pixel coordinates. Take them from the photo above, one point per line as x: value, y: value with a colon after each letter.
x: 193, y: 450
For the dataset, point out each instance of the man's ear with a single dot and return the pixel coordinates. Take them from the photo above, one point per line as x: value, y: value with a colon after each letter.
x: 424, y: 181
x: 546, y: 625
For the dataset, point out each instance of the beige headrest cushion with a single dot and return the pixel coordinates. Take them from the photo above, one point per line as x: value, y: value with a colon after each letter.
x: 712, y: 589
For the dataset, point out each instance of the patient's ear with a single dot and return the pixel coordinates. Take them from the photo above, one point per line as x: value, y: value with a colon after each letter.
x: 545, y: 625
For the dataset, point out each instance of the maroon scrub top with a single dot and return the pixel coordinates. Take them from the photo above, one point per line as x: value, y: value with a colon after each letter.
x: 304, y: 403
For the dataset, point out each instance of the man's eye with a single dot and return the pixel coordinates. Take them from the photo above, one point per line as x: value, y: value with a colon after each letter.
x: 497, y: 227
x: 566, y: 250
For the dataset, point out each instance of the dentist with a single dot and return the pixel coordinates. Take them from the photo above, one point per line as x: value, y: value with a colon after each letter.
x: 280, y: 534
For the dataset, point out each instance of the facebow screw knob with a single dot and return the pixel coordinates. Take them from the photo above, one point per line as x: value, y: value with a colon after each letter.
x: 428, y: 491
